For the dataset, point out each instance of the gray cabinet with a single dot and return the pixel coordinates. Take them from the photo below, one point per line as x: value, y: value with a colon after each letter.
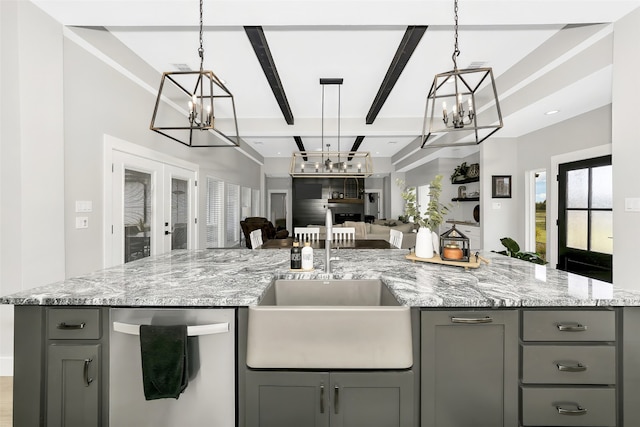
x: 336, y: 399
x: 569, y: 368
x: 469, y: 366
x: 59, y: 365
x: 73, y: 385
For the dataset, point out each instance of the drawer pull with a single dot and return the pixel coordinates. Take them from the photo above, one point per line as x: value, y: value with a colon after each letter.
x: 68, y: 326
x: 571, y: 327
x: 578, y: 367
x: 87, y: 380
x: 578, y: 411
x: 485, y: 319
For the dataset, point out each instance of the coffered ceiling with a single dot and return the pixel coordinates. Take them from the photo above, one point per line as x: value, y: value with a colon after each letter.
x: 546, y: 55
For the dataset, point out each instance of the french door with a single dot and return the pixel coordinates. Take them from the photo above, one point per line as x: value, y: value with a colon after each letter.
x: 153, y: 208
x: 585, y: 218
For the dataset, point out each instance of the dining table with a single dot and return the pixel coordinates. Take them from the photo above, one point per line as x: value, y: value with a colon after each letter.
x: 336, y: 244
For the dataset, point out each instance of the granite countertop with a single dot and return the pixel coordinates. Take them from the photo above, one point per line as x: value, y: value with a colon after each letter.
x: 239, y: 277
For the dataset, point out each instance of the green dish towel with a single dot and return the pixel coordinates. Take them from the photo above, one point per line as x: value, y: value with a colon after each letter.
x: 164, y: 360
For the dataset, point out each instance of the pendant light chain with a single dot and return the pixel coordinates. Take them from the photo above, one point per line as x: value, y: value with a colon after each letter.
x: 456, y: 51
x: 201, y: 49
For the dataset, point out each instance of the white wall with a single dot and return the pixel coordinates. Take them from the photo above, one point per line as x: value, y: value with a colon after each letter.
x: 31, y: 152
x: 626, y: 149
x: 499, y: 217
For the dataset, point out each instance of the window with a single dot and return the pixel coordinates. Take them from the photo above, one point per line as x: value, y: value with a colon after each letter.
x: 232, y: 215
x: 215, y: 205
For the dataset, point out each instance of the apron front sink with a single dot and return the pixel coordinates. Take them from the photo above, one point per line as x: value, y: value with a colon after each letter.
x: 329, y: 324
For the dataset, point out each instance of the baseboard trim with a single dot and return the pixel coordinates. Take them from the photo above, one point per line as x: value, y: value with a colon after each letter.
x: 6, y: 366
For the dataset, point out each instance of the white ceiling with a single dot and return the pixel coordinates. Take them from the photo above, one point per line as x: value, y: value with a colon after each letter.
x: 539, y: 63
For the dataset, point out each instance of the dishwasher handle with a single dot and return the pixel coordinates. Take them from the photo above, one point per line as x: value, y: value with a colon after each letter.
x: 192, y: 331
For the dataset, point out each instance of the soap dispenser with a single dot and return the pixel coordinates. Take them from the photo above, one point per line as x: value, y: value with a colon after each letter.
x: 296, y: 256
x: 307, y: 256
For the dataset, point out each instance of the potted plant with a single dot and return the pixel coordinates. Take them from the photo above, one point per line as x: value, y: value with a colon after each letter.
x: 460, y: 173
x: 427, y: 239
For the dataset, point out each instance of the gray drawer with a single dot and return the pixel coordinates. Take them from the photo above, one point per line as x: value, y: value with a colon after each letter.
x: 73, y: 323
x: 542, y: 406
x: 563, y: 364
x: 569, y: 326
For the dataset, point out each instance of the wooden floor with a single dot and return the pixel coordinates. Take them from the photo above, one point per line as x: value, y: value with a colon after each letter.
x: 6, y: 401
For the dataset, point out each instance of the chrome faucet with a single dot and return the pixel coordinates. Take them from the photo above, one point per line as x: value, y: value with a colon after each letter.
x: 327, y: 242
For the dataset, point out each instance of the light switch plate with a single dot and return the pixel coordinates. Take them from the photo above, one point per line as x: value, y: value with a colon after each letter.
x: 632, y: 204
x: 82, y: 222
x: 84, y: 206
x: 496, y: 205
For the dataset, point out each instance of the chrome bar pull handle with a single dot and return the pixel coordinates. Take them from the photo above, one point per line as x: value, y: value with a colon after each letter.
x: 87, y: 380
x: 336, y: 399
x: 322, y: 398
x: 67, y: 326
x: 578, y: 411
x: 571, y: 327
x: 472, y: 320
x: 578, y: 367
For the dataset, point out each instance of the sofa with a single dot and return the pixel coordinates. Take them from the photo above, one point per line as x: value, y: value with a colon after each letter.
x: 378, y: 230
x: 268, y: 230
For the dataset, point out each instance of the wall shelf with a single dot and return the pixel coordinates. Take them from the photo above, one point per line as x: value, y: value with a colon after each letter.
x: 466, y: 181
x: 465, y: 199
x: 352, y: 201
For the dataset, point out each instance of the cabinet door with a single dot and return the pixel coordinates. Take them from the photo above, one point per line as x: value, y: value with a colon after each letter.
x: 469, y: 369
x: 277, y: 399
x: 73, y: 381
x: 372, y: 399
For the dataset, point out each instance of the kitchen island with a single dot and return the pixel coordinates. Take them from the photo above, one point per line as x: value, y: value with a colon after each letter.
x: 239, y: 277
x: 505, y: 316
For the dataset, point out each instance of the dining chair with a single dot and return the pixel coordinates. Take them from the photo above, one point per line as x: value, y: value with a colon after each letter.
x: 256, y: 238
x: 395, y: 238
x: 344, y: 234
x: 307, y: 234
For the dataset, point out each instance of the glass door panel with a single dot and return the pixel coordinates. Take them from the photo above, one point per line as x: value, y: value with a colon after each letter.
x: 179, y: 213
x: 179, y: 222
x: 138, y: 212
x: 585, y: 218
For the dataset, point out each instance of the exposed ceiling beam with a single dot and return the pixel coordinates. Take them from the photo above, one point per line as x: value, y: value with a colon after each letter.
x: 263, y: 53
x: 300, y: 146
x: 410, y: 40
x: 356, y: 145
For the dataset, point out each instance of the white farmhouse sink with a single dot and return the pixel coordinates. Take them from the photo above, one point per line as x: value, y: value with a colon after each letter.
x: 329, y: 324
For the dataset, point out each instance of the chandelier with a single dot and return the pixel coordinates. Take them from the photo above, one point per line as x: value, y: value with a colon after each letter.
x: 470, y: 110
x: 187, y: 104
x: 331, y: 164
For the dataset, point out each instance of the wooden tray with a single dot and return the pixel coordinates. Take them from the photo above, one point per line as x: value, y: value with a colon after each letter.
x: 474, y: 261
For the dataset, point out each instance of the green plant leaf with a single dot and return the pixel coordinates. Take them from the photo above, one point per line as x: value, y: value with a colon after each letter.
x: 511, y: 245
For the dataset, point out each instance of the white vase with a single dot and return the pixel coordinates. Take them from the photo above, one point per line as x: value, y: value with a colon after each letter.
x: 424, y: 243
x: 435, y: 238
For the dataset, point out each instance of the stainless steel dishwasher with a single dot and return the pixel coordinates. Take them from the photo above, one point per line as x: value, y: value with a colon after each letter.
x: 209, y: 399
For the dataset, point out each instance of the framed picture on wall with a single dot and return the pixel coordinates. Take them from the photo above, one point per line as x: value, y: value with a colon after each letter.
x: 501, y: 186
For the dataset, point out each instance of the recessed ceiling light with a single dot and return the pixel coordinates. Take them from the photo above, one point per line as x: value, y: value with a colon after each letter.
x: 257, y: 142
x: 393, y: 142
x: 182, y: 67
x: 552, y: 112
